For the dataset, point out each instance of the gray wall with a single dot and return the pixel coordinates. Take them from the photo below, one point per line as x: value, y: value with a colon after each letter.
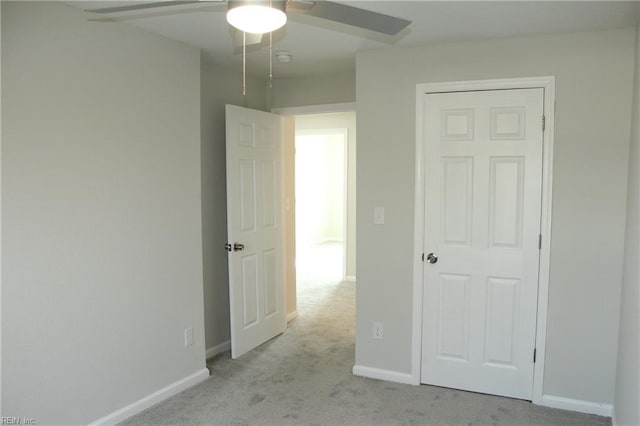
x: 219, y: 87
x: 101, y: 221
x: 594, y: 75
x: 627, y: 401
x: 314, y: 90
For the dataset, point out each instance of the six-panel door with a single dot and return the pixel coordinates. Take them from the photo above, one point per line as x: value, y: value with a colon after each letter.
x: 483, y: 180
x: 254, y: 221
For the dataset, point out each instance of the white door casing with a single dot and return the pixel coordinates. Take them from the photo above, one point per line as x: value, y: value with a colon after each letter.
x: 254, y: 222
x: 483, y: 183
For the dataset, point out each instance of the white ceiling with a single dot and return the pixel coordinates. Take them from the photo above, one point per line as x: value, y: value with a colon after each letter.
x: 319, y: 46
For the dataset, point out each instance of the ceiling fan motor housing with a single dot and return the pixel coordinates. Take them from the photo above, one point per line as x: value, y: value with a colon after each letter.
x: 257, y: 16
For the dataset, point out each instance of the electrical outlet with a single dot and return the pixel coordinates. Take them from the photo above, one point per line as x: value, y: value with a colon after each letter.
x: 188, y: 336
x: 377, y: 330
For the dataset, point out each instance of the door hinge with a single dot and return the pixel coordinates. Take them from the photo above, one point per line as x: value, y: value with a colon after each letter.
x: 539, y: 241
x: 534, y: 355
x: 543, y: 123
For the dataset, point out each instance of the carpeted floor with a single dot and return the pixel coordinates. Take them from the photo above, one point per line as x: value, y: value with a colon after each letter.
x: 304, y: 377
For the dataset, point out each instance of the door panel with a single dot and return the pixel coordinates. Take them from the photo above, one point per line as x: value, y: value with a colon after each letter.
x: 483, y: 181
x: 254, y: 220
x: 453, y: 330
x: 457, y: 196
x: 505, y: 193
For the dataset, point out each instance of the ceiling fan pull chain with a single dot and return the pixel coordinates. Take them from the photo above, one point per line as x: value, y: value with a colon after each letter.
x: 270, y: 54
x: 270, y: 60
x: 244, y: 63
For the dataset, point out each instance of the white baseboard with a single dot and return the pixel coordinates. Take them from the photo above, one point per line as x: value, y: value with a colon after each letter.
x: 291, y: 316
x: 387, y: 375
x: 149, y: 400
x: 577, y: 405
x: 350, y: 278
x: 218, y: 349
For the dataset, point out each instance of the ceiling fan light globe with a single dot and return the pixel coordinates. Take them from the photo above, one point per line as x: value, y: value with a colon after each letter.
x: 257, y: 19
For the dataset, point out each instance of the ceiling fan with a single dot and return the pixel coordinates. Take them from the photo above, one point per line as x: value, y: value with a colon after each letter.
x: 332, y: 11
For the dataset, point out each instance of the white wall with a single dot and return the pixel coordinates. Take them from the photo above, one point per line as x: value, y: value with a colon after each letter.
x: 101, y: 221
x: 594, y: 74
x: 337, y: 180
x: 320, y: 169
x: 219, y: 87
x: 627, y: 400
x: 343, y: 120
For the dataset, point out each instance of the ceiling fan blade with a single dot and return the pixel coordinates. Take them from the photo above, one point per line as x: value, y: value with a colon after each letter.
x: 350, y: 15
x: 157, y: 7
x: 299, y: 5
x: 141, y: 6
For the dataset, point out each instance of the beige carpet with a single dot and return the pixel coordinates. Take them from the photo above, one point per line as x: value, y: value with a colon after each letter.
x: 304, y: 377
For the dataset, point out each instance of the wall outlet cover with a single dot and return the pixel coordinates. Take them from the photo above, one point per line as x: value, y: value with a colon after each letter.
x: 377, y: 330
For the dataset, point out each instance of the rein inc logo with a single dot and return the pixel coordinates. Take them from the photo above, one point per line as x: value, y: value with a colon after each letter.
x: 17, y: 421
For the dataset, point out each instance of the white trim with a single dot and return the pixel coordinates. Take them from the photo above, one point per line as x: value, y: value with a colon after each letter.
x: 291, y: 316
x: 1, y: 220
x: 154, y: 398
x: 388, y: 375
x: 350, y: 278
x: 548, y: 84
x: 218, y: 349
x: 345, y: 203
x: 580, y: 406
x: 545, y: 231
x: 315, y: 109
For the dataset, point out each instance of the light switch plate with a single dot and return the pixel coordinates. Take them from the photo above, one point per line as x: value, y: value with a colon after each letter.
x: 378, y: 216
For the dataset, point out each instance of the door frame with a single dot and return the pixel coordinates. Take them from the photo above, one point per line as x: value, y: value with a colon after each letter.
x: 548, y: 84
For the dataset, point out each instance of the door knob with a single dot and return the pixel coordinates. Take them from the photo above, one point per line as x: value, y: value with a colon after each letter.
x: 238, y: 247
x: 432, y: 258
x: 228, y: 247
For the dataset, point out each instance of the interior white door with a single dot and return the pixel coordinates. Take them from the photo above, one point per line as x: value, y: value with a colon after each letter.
x: 483, y: 182
x: 254, y: 221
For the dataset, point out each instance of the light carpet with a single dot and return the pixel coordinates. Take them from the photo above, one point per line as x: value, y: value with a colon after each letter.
x: 304, y: 377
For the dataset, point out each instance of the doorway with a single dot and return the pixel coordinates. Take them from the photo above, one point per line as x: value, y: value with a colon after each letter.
x: 332, y: 260
x: 320, y: 197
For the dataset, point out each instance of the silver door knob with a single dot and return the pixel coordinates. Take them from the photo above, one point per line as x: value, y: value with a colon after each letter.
x: 238, y: 247
x: 228, y: 247
x: 432, y: 258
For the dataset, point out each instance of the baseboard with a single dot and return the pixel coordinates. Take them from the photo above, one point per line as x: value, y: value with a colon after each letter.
x: 387, y: 375
x: 291, y: 316
x: 218, y: 349
x: 350, y: 278
x: 152, y: 399
x: 577, y: 405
